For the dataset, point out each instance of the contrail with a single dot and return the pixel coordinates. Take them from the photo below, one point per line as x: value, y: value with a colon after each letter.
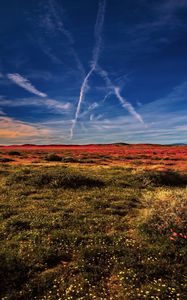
x: 95, y: 67
x: 116, y: 90
x: 81, y: 97
x: 98, y: 33
x: 54, y: 11
x: 95, y: 58
x: 106, y: 96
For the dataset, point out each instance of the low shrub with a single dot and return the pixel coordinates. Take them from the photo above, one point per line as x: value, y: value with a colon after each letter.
x: 16, y: 153
x: 15, y: 224
x: 53, y: 157
x: 70, y: 159
x: 15, y: 269
x: 169, y: 178
x: 155, y: 179
x: 5, y: 159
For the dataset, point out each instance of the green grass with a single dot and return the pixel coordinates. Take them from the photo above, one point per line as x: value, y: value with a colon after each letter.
x: 91, y: 233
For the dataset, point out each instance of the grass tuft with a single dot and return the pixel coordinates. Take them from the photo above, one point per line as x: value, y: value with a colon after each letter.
x: 62, y: 178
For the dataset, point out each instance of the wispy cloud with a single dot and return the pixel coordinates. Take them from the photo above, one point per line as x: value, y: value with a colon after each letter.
x: 2, y: 112
x: 51, y: 21
x: 51, y: 104
x: 12, y: 129
x: 25, y: 84
x: 166, y: 12
x: 174, y: 100
x: 90, y: 108
x: 164, y: 16
x: 153, y: 33
x: 56, y: 104
x: 96, y: 118
x: 54, y: 8
x: 46, y: 49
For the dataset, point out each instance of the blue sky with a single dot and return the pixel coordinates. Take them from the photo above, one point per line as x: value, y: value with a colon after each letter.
x: 97, y: 71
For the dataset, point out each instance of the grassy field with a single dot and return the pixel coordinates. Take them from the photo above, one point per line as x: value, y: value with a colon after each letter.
x: 81, y: 227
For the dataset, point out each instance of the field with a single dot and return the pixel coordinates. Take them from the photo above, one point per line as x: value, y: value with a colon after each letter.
x: 93, y: 222
x: 139, y: 156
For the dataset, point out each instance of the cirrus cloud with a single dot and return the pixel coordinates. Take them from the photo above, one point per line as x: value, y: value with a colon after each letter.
x: 25, y: 84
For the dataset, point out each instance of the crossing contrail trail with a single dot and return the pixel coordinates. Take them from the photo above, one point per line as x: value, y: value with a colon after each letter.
x: 95, y: 58
x: 116, y: 90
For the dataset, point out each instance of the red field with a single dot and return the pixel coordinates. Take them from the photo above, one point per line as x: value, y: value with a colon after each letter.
x: 139, y: 156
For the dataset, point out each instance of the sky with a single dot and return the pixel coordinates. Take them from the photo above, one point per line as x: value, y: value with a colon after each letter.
x: 97, y: 71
